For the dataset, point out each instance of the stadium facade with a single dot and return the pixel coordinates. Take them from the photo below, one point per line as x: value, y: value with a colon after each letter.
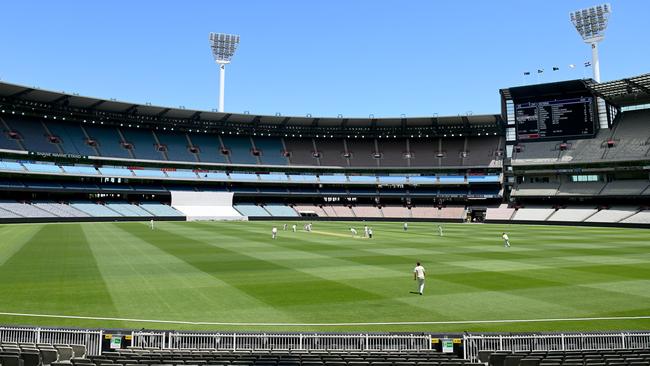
x: 546, y: 158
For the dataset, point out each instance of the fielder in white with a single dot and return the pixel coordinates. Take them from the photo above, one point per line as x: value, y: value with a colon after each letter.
x: 418, y: 274
x: 353, y: 231
x: 406, y: 226
x: 151, y: 224
x: 506, y: 240
x: 293, y: 227
x: 439, y: 230
x: 274, y: 232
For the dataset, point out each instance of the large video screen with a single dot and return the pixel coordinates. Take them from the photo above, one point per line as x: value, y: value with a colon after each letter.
x: 555, y: 118
x: 557, y: 111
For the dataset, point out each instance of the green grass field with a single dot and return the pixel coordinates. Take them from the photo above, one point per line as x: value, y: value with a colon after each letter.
x: 234, y: 272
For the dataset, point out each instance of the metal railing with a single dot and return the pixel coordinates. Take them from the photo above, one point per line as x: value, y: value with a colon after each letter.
x: 473, y: 344
x: 92, y: 339
x: 292, y: 341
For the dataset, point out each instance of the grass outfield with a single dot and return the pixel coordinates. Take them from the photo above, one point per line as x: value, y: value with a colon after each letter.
x: 234, y: 272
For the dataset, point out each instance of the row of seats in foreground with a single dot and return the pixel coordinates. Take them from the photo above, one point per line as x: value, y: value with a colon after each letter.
x: 30, y: 354
x: 276, y: 358
x: 623, y: 357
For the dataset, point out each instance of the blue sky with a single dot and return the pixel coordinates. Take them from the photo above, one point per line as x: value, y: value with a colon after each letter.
x: 326, y: 58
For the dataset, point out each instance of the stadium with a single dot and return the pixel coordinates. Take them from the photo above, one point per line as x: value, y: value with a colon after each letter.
x: 135, y: 234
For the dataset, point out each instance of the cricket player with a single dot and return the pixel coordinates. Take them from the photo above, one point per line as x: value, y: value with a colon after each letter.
x: 419, y: 274
x: 284, y: 227
x: 293, y: 227
x: 353, y: 231
x: 506, y: 240
x: 274, y: 232
x: 151, y: 224
x: 439, y: 230
x: 369, y: 233
x: 406, y: 226
x: 365, y: 231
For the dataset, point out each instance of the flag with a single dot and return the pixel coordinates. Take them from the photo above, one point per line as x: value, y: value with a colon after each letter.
x: 539, y: 71
x: 587, y: 64
x: 572, y: 66
x: 555, y: 68
x: 526, y: 72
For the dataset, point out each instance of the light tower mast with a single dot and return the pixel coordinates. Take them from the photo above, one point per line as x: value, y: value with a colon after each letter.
x: 591, y: 24
x: 223, y: 48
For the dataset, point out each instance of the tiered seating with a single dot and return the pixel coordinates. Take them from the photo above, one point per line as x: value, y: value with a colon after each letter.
x: 249, y: 209
x: 580, y: 188
x: 642, y: 217
x: 41, y: 354
x: 109, y: 141
x: 71, y: 138
x: 60, y: 209
x: 35, y: 138
x: 533, y: 214
x: 144, y: 145
x: 539, y: 152
x: 43, y: 168
x: 362, y: 152
x: 392, y: 153
x: 503, y: 212
x: 396, y: 212
x: 181, y: 174
x: 11, y: 165
x: 335, y: 178
x: 481, y: 151
x: 342, y: 211
x: 367, y: 211
x: 535, y: 189
x: 619, y: 357
x: 93, y: 209
x: 572, y: 214
x: 614, y: 214
x: 452, y: 149
x: 280, y: 210
x: 240, y: 149
x: 301, y: 151
x: 300, y: 208
x: 209, y: 148
x: 422, y: 211
x: 277, y: 358
x: 625, y: 188
x: 304, y: 178
x: 423, y: 152
x: 149, y: 173
x: 24, y: 210
x: 80, y: 169
x: 160, y: 210
x: 271, y: 150
x: 126, y: 209
x: 177, y: 146
x: 120, y: 172
x: 331, y: 152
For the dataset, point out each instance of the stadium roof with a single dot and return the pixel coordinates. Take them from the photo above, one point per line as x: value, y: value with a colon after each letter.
x: 624, y: 92
x: 179, y: 115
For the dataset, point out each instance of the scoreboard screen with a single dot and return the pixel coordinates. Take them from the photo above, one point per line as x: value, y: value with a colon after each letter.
x: 553, y: 111
x: 555, y: 118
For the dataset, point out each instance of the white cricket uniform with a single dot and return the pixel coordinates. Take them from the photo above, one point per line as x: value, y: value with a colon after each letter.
x: 274, y: 232
x: 353, y: 231
x: 406, y: 226
x: 439, y: 230
x: 419, y: 274
x: 293, y: 228
x: 506, y: 240
x: 151, y: 224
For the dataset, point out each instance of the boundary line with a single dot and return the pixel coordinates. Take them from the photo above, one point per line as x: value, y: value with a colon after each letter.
x: 443, y: 322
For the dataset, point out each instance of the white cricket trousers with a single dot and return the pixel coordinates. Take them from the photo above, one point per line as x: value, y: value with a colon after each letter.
x: 420, y: 285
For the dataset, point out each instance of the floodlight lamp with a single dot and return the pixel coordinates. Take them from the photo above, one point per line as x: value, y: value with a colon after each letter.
x: 592, y: 22
x: 223, y: 46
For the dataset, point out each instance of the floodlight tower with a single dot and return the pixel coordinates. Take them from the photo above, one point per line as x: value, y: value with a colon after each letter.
x: 591, y: 24
x: 223, y: 48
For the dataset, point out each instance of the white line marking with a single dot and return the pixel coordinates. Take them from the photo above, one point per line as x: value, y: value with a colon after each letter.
x: 447, y: 322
